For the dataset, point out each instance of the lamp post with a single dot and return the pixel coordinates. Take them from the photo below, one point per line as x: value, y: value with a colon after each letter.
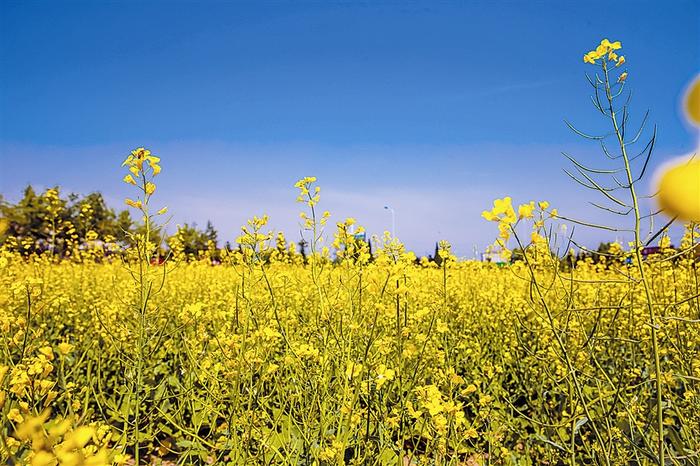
x: 393, y: 220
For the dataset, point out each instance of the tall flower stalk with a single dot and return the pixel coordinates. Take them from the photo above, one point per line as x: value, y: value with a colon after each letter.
x: 143, y: 168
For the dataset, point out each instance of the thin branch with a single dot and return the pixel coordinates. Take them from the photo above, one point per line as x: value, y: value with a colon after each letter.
x: 583, y: 135
x: 590, y: 170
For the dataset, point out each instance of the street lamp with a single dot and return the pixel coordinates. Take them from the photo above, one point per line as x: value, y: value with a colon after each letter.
x: 393, y: 220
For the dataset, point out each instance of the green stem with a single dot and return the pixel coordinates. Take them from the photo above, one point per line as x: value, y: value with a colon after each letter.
x: 638, y: 257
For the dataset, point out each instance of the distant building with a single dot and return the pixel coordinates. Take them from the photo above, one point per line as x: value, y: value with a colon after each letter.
x: 650, y: 250
x: 494, y: 257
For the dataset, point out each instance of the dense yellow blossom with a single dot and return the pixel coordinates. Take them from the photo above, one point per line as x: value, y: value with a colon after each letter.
x: 442, y: 372
x: 354, y: 352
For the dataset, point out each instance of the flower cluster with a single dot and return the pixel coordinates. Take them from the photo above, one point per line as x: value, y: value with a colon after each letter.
x: 504, y: 214
x: 56, y: 442
x: 308, y: 193
x: 385, y: 343
x: 605, y: 51
x: 143, y: 167
x: 138, y: 161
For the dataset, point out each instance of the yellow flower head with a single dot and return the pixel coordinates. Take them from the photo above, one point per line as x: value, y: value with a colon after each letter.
x: 526, y: 210
x: 610, y: 45
x: 135, y: 161
x: 14, y: 416
x: 65, y: 348
x: 502, y: 211
x: 604, y: 48
x: 134, y: 204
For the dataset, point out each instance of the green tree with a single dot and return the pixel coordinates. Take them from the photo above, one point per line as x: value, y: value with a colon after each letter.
x: 191, y: 239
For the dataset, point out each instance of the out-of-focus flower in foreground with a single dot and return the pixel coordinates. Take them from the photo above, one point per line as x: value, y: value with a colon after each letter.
x: 691, y: 102
x: 679, y: 190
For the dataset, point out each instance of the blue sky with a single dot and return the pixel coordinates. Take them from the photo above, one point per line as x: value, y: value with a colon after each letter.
x: 435, y: 108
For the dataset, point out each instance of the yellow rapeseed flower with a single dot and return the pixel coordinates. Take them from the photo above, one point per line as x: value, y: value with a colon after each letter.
x: 604, y: 48
x: 65, y: 348
x: 526, y: 210
x: 132, y: 203
x: 47, y: 352
x: 14, y: 415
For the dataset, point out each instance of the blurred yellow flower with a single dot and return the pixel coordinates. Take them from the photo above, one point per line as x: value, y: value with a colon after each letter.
x: 691, y: 103
x: 43, y: 458
x: 679, y: 190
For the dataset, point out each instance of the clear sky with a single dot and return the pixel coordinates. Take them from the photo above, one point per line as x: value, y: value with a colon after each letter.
x: 434, y: 108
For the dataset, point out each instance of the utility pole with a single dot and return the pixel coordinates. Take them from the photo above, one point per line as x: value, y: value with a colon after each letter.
x: 393, y: 220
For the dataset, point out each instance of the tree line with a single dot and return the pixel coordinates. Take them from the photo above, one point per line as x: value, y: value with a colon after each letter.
x: 52, y: 222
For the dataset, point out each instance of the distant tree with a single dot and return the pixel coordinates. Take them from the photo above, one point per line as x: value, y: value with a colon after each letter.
x: 211, y: 234
x: 436, y: 255
x: 124, y: 225
x: 602, y: 251
x: 569, y: 260
x: 25, y: 217
x: 38, y: 222
x: 50, y: 221
x: 302, y: 248
x: 92, y: 213
x: 191, y: 240
x: 517, y: 254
